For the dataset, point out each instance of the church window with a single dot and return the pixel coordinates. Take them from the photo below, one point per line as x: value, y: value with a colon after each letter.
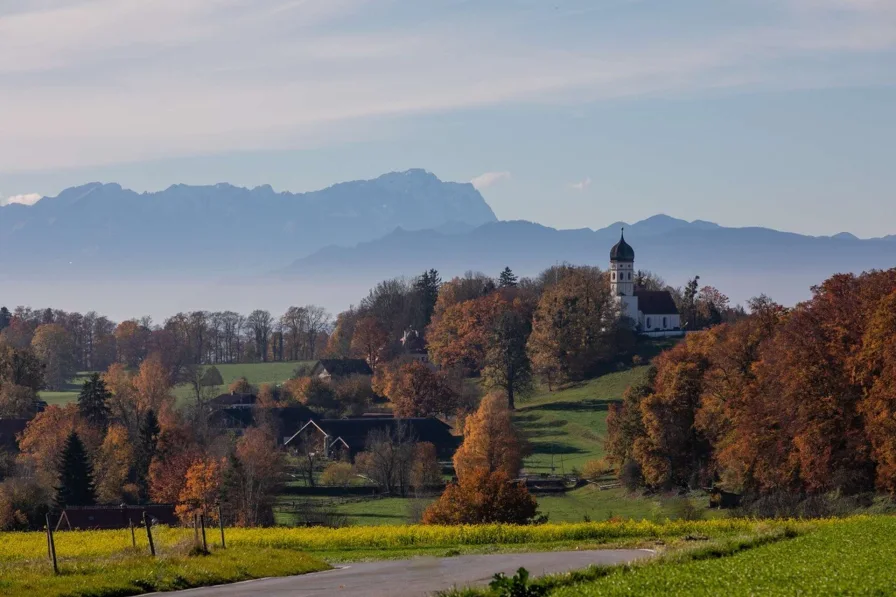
x: 664, y: 323
x: 613, y: 276
x: 629, y: 275
x: 648, y: 323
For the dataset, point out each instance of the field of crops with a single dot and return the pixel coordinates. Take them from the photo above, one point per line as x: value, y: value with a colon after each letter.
x: 850, y: 557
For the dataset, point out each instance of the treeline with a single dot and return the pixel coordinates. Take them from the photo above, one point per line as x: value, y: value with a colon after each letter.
x: 800, y: 400
x: 69, y: 342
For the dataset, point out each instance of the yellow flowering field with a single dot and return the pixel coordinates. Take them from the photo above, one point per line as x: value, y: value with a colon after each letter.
x: 90, y: 544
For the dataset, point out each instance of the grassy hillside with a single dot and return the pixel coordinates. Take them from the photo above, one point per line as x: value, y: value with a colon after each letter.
x: 566, y: 428
x: 256, y: 373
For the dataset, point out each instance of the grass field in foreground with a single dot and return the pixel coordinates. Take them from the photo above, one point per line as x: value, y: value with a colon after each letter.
x: 852, y: 557
x: 256, y: 373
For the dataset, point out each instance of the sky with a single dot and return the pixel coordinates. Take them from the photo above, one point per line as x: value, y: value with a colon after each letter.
x: 571, y: 113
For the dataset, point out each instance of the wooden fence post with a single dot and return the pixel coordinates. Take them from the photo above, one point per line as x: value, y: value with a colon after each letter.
x: 52, y: 545
x: 152, y: 546
x: 133, y: 535
x: 221, y: 523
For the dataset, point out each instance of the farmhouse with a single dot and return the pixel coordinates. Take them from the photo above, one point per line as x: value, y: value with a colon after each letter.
x: 347, y: 437
x: 652, y: 312
x: 334, y: 368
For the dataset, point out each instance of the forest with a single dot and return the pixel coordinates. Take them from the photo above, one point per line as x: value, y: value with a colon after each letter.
x: 792, y: 402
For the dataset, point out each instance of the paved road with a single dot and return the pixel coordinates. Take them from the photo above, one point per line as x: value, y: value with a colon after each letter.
x: 416, y: 577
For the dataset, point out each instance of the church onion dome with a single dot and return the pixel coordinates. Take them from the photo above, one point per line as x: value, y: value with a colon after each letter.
x: 622, y: 251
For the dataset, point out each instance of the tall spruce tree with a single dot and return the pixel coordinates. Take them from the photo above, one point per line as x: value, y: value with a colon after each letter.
x: 5, y: 317
x: 93, y: 402
x: 507, y: 279
x: 76, y: 486
x: 147, y: 442
x: 426, y: 289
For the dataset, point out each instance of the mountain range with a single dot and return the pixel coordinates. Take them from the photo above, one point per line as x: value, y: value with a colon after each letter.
x: 103, y: 228
x: 208, y: 247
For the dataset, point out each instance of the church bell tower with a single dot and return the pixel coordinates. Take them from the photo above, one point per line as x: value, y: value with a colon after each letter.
x: 622, y: 266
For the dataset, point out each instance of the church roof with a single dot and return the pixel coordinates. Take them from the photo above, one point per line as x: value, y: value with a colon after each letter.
x: 622, y: 251
x: 656, y: 302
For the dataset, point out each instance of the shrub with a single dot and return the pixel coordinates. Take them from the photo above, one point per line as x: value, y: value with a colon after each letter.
x: 337, y: 473
x: 630, y: 475
x: 595, y: 469
x: 482, y: 497
x: 517, y: 585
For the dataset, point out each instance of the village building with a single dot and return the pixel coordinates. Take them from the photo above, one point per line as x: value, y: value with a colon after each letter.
x: 652, y: 312
x: 344, y: 438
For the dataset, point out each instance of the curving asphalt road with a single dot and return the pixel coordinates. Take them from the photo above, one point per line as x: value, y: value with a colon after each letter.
x: 416, y: 577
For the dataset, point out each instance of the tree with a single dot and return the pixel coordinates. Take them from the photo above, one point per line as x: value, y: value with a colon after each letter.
x: 93, y: 401
x: 145, y: 451
x: 261, y: 324
x: 131, y: 341
x: 483, y: 497
x: 52, y: 344
x: 252, y: 486
x: 688, y: 306
x: 313, y: 392
x: 490, y: 440
x: 338, y: 474
x: 75, y: 486
x: 113, y: 464
x: 459, y: 336
x: 20, y: 367
x: 507, y: 279
x: 202, y: 489
x: 425, y: 470
x: 507, y: 365
x: 241, y: 385
x: 45, y: 437
x: 415, y: 390
x: 426, y: 293
x: 175, y: 453
x: 17, y: 402
x: 152, y: 385
x: 5, y: 318
x: 576, y: 327
x: 388, y: 458
x: 369, y: 340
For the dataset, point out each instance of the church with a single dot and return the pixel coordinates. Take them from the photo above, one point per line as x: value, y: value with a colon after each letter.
x: 653, y: 311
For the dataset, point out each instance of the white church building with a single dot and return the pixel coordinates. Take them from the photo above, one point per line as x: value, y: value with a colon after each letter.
x: 653, y: 311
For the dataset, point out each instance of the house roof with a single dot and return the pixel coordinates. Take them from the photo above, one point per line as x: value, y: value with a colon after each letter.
x: 354, y: 432
x: 656, y: 302
x: 233, y: 399
x: 343, y: 367
x: 9, y: 428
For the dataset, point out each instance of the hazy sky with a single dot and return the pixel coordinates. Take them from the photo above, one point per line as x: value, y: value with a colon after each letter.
x: 571, y: 113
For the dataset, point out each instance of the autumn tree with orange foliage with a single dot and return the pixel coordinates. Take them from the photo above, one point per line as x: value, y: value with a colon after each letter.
x: 491, y: 442
x: 577, y: 328
x: 201, y: 490
x: 369, y: 340
x: 253, y: 478
x: 483, y: 497
x: 460, y: 335
x: 415, y: 390
x: 45, y: 436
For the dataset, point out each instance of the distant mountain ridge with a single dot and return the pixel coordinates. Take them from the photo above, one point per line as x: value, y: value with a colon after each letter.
x: 743, y: 262
x: 103, y: 227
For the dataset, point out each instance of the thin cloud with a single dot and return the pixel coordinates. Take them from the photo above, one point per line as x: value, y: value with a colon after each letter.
x: 147, y: 79
x: 27, y: 199
x: 581, y: 185
x: 487, y: 179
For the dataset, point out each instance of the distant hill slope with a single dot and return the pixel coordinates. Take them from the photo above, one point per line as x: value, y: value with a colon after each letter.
x: 742, y: 262
x: 103, y: 228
